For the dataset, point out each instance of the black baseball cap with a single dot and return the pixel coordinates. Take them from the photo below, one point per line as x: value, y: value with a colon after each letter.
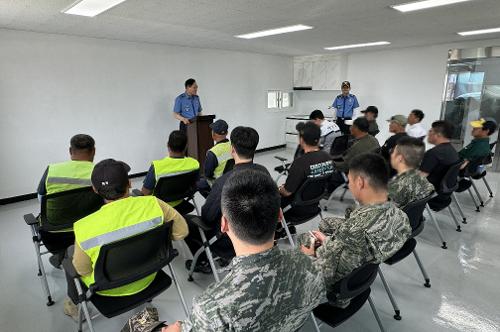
x: 219, y: 127
x: 110, y: 178
x: 371, y: 109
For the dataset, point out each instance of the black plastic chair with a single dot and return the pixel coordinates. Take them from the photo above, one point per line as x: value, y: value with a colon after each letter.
x: 476, y: 170
x: 58, y: 212
x: 355, y: 286
x: 444, y: 197
x: 339, y: 146
x: 179, y: 187
x: 121, y: 263
x: 414, y: 211
x: 305, y: 204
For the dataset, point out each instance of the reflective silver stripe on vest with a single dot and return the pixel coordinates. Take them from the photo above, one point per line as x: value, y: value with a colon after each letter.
x: 174, y: 174
x: 62, y: 180
x: 120, y: 233
x: 224, y: 157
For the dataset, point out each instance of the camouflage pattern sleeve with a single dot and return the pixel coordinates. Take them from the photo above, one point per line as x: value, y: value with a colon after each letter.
x: 408, y: 187
x: 204, y: 317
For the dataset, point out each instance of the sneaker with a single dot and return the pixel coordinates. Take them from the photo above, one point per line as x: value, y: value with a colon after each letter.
x: 201, y: 267
x: 55, y: 261
x: 71, y: 309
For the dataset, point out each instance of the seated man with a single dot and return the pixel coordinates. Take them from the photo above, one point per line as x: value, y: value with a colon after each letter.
x: 62, y: 177
x: 371, y: 114
x: 122, y: 216
x: 437, y: 160
x: 175, y: 163
x: 397, y: 124
x: 372, y: 233
x: 408, y: 185
x: 364, y: 143
x: 313, y: 163
x: 479, y: 147
x: 329, y: 130
x: 244, y: 141
x: 217, y: 157
x: 415, y: 127
x: 267, y: 289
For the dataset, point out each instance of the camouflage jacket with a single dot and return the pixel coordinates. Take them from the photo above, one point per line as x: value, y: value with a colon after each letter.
x: 407, y: 187
x: 271, y: 291
x: 371, y: 234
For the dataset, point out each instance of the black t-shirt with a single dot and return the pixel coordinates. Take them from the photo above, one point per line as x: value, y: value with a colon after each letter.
x: 311, y: 164
x: 437, y: 161
x: 390, y: 144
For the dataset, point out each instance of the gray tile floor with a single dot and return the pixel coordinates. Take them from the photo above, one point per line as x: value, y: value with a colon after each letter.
x: 465, y: 295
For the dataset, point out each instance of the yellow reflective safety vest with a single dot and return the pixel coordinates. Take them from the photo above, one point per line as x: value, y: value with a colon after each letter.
x: 222, y: 152
x: 68, y: 175
x: 174, y: 166
x: 117, y: 220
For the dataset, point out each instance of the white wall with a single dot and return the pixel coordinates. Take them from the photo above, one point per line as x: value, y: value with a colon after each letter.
x: 121, y: 93
x: 396, y: 81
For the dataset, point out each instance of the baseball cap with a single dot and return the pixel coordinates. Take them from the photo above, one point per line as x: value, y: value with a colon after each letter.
x: 371, y: 109
x: 478, y: 123
x: 346, y: 84
x: 399, y: 119
x: 219, y: 127
x: 110, y: 178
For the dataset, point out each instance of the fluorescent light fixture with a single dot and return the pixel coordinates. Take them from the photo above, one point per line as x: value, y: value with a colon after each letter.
x: 343, y: 47
x: 479, y: 32
x: 418, y: 5
x: 91, y: 8
x: 277, y: 31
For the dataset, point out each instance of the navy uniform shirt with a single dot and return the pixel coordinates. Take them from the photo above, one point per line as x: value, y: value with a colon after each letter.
x: 345, y: 105
x: 187, y: 106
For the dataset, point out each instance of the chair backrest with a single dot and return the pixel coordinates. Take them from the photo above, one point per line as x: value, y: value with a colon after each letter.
x: 125, y: 261
x: 354, y: 283
x: 176, y: 187
x: 229, y: 166
x: 449, y: 183
x: 339, y: 145
x: 311, y: 191
x: 415, y: 210
x: 61, y: 210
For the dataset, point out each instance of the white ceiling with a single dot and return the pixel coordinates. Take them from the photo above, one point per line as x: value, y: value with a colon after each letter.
x: 213, y: 23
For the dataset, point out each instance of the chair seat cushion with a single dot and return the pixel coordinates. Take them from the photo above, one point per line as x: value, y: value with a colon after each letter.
x: 439, y: 202
x: 184, y: 207
x: 463, y: 185
x: 478, y: 176
x: 402, y: 253
x: 299, y: 215
x: 111, y: 306
x: 335, y: 316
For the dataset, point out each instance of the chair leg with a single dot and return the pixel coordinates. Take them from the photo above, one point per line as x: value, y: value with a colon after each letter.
x: 421, y: 266
x: 397, y: 312
x: 179, y: 291
x: 83, y: 305
x: 459, y: 207
x: 481, y: 202
x: 209, y: 256
x: 287, y: 231
x: 343, y: 194
x: 454, y: 219
x: 315, y: 323
x: 321, y: 215
x: 375, y: 313
x: 41, y: 272
x: 193, y: 264
x: 196, y: 207
x: 429, y: 211
x: 80, y: 318
x: 487, y: 186
x: 325, y: 208
x: 473, y: 199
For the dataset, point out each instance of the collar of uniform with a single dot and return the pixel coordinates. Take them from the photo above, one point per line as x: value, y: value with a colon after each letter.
x: 407, y: 173
x: 477, y: 140
x: 368, y: 207
x: 223, y: 141
x: 248, y: 163
x: 252, y: 259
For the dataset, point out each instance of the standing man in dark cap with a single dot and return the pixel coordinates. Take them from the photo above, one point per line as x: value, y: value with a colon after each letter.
x: 187, y: 105
x: 344, y: 105
x: 371, y: 114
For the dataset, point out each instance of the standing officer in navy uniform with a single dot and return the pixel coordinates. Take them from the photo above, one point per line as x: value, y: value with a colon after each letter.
x: 187, y: 105
x: 344, y: 104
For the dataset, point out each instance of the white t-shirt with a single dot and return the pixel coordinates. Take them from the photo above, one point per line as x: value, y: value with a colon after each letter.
x: 417, y: 130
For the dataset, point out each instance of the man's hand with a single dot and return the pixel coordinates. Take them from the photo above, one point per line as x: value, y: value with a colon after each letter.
x: 308, y: 251
x: 185, y: 121
x: 176, y: 327
x: 320, y: 237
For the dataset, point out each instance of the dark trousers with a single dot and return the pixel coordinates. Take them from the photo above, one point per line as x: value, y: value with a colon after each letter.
x: 72, y: 292
x: 183, y: 127
x: 343, y: 127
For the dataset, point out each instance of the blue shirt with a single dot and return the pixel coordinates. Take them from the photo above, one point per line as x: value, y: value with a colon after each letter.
x: 345, y: 105
x: 187, y: 106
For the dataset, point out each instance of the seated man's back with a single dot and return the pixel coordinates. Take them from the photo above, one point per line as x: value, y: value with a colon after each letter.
x: 267, y: 289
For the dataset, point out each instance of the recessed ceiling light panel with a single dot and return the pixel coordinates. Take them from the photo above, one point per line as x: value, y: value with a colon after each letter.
x: 419, y: 5
x: 344, y: 47
x: 479, y: 32
x: 91, y: 8
x: 276, y: 31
